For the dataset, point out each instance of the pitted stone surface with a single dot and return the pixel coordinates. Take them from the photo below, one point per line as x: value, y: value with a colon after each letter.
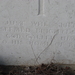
x: 37, y: 31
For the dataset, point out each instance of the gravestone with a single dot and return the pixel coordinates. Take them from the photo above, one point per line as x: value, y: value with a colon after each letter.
x: 37, y: 31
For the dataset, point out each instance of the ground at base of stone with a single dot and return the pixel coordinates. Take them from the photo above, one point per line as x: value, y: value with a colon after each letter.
x: 43, y: 69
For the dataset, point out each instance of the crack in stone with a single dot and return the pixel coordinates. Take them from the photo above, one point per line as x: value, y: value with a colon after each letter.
x: 48, y: 45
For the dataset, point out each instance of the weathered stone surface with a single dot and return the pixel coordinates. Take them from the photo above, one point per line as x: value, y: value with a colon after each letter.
x: 37, y: 31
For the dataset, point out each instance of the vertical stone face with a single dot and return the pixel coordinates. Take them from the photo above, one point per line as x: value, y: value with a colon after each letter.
x: 37, y: 31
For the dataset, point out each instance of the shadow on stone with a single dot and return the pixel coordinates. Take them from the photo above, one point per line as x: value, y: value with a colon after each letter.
x: 2, y: 61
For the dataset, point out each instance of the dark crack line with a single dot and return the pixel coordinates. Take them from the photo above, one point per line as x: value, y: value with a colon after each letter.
x: 47, y: 46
